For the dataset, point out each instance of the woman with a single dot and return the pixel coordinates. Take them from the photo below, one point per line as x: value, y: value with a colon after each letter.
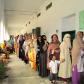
x: 32, y: 52
x: 65, y: 66
x: 43, y: 57
x: 53, y: 47
x: 78, y: 46
x: 32, y: 56
x: 21, y: 50
x: 25, y: 47
x: 39, y: 42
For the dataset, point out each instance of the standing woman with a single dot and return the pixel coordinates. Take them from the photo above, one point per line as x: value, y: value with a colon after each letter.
x: 25, y: 47
x: 78, y: 46
x: 39, y: 42
x: 65, y: 66
x: 32, y: 55
x: 44, y: 61
x: 32, y: 52
x: 53, y: 47
x: 43, y: 57
x: 21, y: 51
x: 15, y: 45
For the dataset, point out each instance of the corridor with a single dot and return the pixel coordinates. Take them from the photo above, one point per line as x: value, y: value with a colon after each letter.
x: 21, y: 73
x: 42, y: 32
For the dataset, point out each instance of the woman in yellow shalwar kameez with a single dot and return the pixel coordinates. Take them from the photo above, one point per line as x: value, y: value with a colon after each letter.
x: 32, y: 55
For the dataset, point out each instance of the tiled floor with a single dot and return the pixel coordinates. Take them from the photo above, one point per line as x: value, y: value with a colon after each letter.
x: 21, y: 73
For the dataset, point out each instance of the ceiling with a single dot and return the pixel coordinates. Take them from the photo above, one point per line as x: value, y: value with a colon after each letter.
x: 18, y: 12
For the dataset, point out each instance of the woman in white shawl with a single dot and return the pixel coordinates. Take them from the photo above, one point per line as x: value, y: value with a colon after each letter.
x: 65, y: 66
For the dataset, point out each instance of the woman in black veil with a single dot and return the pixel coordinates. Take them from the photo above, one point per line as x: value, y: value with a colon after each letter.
x: 43, y: 57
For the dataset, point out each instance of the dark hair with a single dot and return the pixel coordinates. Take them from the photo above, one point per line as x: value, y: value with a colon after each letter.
x: 43, y: 37
x: 82, y: 32
x: 56, y: 37
x: 53, y: 56
x: 79, y: 32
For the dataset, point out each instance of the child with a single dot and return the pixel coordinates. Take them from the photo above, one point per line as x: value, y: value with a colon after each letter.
x: 53, y: 69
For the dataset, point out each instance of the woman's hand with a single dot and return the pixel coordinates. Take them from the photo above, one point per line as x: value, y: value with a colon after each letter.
x: 53, y: 51
x: 72, y: 67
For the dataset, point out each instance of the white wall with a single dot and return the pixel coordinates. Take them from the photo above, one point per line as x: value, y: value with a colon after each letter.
x: 51, y: 19
x: 3, y: 32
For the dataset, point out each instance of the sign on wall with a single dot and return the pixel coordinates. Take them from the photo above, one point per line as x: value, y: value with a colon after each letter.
x: 81, y: 20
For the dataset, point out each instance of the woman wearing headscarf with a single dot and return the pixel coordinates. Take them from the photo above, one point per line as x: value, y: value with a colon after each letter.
x: 53, y: 47
x: 21, y: 50
x: 15, y: 44
x: 39, y: 42
x: 77, y: 49
x: 43, y: 57
x: 65, y: 66
x: 32, y: 55
x: 81, y: 66
x: 32, y: 51
x: 26, y: 48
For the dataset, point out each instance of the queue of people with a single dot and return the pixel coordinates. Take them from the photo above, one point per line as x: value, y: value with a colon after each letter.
x: 62, y: 59
x: 59, y: 59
